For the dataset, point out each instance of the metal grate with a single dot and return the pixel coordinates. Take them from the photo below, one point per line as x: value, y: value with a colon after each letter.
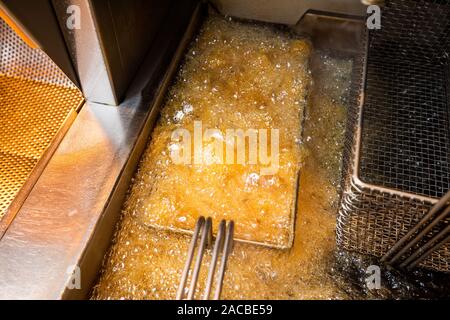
x: 35, y: 99
x: 405, y: 143
x: 17, y: 59
x: 14, y: 171
x: 397, y: 150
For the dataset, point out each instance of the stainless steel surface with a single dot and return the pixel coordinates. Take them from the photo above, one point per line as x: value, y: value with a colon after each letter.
x: 126, y: 29
x: 37, y: 104
x: 111, y: 42
x: 287, y: 11
x: 68, y: 219
x: 373, y: 2
x: 87, y: 52
x: 55, y: 223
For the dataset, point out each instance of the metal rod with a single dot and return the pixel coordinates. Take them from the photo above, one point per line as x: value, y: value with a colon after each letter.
x: 206, y: 233
x: 430, y: 251
x: 215, y: 257
x: 437, y: 207
x: 427, y: 249
x: 225, y: 252
x: 420, y: 236
x: 190, y: 256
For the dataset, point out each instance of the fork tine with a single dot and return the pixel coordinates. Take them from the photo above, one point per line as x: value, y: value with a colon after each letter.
x: 190, y: 256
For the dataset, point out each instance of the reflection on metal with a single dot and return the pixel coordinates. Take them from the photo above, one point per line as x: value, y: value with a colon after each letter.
x: 222, y: 247
x: 69, y: 216
x: 37, y: 104
x: 36, y: 22
x: 86, y: 50
x: 288, y: 11
x: 111, y: 42
x: 373, y: 2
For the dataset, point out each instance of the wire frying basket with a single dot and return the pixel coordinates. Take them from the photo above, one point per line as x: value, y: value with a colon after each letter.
x: 397, y: 146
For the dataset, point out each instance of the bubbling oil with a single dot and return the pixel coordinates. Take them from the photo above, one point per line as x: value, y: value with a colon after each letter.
x: 146, y: 263
x: 236, y: 77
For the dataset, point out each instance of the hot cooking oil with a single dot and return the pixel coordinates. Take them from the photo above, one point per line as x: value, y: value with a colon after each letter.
x: 242, y: 81
x: 146, y: 263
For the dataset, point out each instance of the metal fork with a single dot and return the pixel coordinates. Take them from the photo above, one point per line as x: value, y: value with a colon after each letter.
x: 223, y: 246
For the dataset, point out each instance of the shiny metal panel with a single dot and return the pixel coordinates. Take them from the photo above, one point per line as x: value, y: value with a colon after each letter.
x: 37, y: 104
x: 56, y: 222
x: 287, y: 11
x: 37, y: 21
x: 68, y: 219
x: 87, y: 53
x: 113, y: 38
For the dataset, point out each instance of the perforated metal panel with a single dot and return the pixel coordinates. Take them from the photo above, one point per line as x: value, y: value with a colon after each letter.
x: 35, y: 99
x: 397, y: 149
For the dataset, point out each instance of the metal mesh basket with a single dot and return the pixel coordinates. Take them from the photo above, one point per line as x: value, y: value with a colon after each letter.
x: 397, y: 148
